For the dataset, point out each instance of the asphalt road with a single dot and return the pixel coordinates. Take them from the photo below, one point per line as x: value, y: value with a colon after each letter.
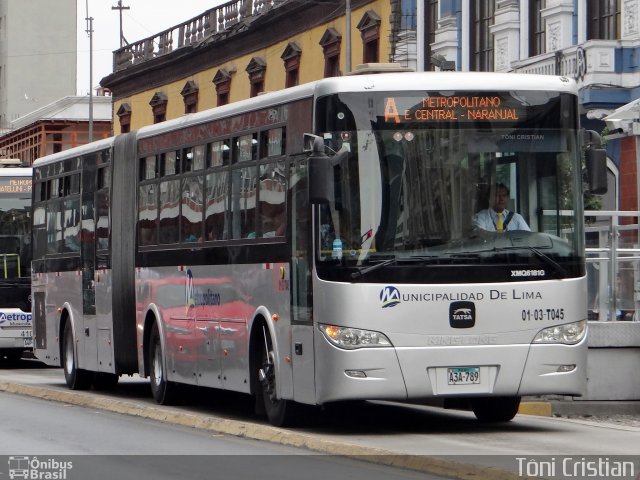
x: 96, y: 444
x: 431, y: 440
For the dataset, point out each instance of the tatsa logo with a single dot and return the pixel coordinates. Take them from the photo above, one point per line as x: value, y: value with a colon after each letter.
x: 389, y: 296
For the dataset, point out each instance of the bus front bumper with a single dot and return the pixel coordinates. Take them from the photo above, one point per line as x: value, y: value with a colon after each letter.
x: 415, y: 373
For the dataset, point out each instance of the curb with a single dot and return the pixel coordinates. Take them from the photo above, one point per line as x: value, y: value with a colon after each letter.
x: 541, y: 409
x: 243, y: 429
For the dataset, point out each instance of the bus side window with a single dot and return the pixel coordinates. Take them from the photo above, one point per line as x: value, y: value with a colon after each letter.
x: 148, y: 214
x: 216, y: 223
x: 272, y: 206
x: 169, y: 206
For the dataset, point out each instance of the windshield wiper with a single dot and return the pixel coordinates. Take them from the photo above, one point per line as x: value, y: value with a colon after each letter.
x: 542, y: 256
x: 389, y: 261
x: 364, y: 270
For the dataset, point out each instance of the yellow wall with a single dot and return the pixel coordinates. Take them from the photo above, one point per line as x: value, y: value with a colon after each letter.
x: 311, y: 68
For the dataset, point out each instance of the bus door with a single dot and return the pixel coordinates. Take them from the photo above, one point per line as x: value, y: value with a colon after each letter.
x: 86, y: 330
x: 102, y: 270
x: 301, y: 294
x: 96, y: 284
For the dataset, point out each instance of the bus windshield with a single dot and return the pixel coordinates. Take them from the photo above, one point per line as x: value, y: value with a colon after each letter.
x: 15, y: 226
x: 451, y: 186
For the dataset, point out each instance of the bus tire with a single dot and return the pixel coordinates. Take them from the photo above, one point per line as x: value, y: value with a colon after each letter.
x: 495, y: 409
x: 280, y: 412
x: 164, y: 392
x: 76, y: 378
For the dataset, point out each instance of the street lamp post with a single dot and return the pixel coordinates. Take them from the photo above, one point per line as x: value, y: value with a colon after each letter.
x: 89, y: 31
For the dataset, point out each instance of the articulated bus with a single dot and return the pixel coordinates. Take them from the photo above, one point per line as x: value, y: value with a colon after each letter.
x: 15, y: 262
x: 321, y: 244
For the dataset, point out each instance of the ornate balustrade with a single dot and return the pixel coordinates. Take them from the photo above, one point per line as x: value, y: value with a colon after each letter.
x: 591, y: 62
x: 210, y: 23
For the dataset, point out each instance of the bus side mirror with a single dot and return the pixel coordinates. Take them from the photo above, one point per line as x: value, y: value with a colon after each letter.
x: 320, y: 174
x: 596, y: 163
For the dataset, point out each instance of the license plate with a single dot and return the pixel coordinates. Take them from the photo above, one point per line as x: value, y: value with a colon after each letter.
x: 28, y: 342
x: 463, y: 375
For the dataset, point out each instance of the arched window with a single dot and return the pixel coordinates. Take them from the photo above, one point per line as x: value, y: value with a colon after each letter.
x: 256, y: 70
x: 291, y: 57
x: 159, y: 107
x: 190, y: 97
x: 124, y: 116
x: 369, y: 27
x: 330, y: 43
x: 222, y: 81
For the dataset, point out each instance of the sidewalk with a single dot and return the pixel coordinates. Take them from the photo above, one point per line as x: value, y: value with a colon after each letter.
x: 579, y: 408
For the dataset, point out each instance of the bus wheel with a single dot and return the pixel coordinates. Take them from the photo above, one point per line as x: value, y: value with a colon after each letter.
x: 76, y: 378
x: 164, y: 392
x: 495, y: 409
x: 280, y: 412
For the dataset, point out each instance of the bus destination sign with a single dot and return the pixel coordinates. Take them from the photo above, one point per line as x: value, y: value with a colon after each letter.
x: 15, y: 185
x: 468, y: 108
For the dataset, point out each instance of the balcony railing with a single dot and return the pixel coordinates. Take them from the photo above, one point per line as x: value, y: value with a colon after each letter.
x: 206, y: 25
x: 588, y: 63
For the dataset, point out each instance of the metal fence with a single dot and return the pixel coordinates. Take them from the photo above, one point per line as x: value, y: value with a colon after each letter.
x: 613, y: 265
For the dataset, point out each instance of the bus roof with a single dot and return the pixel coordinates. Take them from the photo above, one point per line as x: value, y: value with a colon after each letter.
x: 76, y: 151
x: 446, y: 81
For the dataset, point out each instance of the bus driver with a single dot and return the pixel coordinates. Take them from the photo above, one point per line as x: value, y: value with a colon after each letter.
x: 497, y: 218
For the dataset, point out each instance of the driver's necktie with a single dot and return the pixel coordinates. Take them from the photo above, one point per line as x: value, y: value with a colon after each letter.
x: 499, y: 224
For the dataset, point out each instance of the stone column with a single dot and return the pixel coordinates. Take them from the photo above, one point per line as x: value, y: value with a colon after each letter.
x: 630, y: 12
x: 446, y: 39
x: 506, y: 34
x: 558, y: 18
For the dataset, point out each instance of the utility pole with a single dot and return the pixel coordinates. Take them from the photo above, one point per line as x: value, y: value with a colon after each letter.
x: 121, y: 8
x: 89, y: 31
x: 347, y: 15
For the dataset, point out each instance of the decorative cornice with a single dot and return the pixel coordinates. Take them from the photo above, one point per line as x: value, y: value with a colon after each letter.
x: 189, y: 88
x: 158, y: 99
x: 256, y: 65
x: 124, y: 109
x: 293, y: 50
x: 330, y: 36
x: 369, y: 20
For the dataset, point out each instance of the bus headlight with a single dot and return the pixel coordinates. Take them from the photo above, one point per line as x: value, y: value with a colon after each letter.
x: 351, y: 338
x: 569, y: 334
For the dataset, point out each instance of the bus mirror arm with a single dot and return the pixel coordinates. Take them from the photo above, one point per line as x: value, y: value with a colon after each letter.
x: 320, y: 174
x: 596, y: 163
x: 595, y: 159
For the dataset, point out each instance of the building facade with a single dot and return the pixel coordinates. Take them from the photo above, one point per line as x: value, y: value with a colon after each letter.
x: 38, y: 48
x: 61, y: 125
x: 240, y: 49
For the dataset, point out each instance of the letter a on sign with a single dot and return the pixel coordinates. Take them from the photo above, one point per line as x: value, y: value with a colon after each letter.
x: 391, y: 111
